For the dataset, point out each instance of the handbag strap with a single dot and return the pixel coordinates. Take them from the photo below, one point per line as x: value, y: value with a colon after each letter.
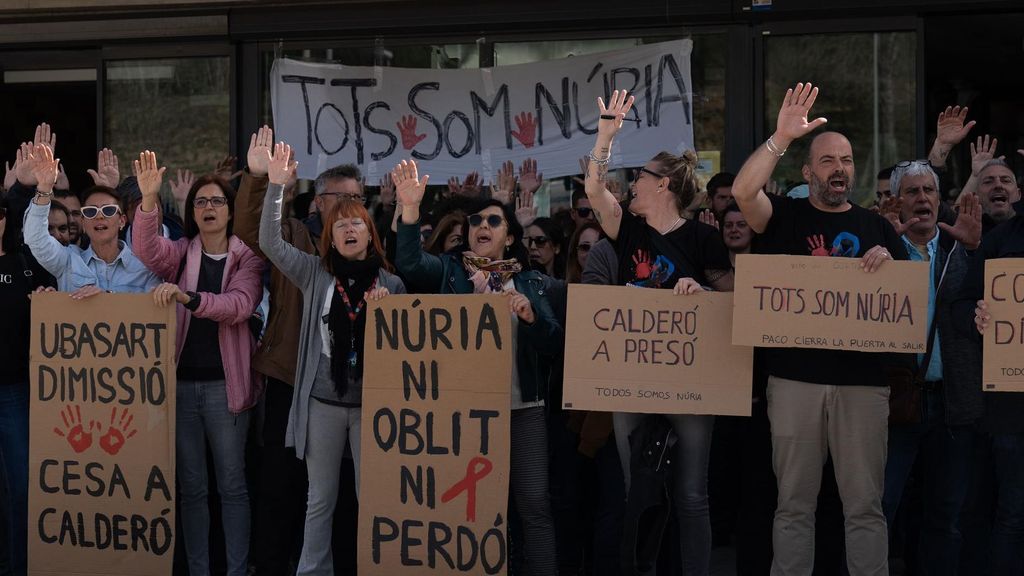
x: 922, y: 369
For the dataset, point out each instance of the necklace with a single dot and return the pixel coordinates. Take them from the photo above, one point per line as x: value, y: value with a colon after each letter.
x: 672, y: 227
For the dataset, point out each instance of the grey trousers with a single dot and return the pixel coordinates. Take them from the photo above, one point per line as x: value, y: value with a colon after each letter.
x: 330, y: 427
x: 808, y: 422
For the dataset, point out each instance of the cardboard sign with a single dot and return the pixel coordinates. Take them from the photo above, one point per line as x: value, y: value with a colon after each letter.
x: 821, y: 302
x: 651, y: 351
x: 472, y: 120
x: 433, y: 493
x: 1003, y: 356
x: 101, y: 459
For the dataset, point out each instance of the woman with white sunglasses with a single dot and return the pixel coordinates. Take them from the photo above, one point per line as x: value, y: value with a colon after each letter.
x: 108, y: 264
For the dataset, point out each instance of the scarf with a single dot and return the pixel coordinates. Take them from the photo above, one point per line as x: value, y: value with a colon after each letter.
x: 352, y: 279
x: 489, y: 275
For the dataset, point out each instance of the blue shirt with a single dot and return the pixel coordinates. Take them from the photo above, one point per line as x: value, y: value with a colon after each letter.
x: 74, y: 268
x: 934, y: 371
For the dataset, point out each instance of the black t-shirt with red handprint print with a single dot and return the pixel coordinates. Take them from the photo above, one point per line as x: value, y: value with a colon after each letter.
x: 800, y: 229
x: 697, y: 246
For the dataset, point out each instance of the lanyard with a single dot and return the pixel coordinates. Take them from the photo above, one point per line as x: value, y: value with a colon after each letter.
x: 353, y: 313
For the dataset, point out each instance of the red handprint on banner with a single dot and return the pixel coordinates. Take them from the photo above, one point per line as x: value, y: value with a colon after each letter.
x: 407, y: 127
x: 118, y: 433
x: 74, y: 429
x: 527, y: 132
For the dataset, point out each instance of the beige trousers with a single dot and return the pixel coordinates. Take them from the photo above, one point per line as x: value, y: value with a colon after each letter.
x: 808, y: 422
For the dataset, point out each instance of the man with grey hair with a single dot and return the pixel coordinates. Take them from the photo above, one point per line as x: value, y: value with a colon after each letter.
x: 994, y: 182
x: 343, y: 182
x: 949, y: 373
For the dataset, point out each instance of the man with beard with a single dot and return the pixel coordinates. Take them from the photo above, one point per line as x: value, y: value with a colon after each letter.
x: 998, y: 191
x: 822, y: 401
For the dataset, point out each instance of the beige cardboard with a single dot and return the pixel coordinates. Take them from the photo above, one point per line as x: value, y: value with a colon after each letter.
x: 470, y: 378
x: 101, y: 460
x: 651, y: 351
x: 817, y: 302
x: 1003, y: 360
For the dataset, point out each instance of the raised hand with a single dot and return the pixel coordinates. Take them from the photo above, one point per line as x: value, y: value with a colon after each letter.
x: 529, y: 179
x: 46, y: 136
x: 259, y: 149
x: 280, y: 166
x: 506, y: 186
x: 11, y: 175
x: 107, y: 171
x: 227, y: 168
x: 708, y: 217
x: 967, y: 228
x: 470, y: 188
x: 951, y: 128
x: 407, y: 128
x: 982, y: 153
x: 150, y: 178
x: 527, y: 133
x: 387, y: 190
x: 792, y: 122
x: 25, y: 165
x: 891, y: 208
x: 44, y: 167
x: 526, y: 212
x: 181, y: 186
x: 614, y: 113
x: 62, y: 182
x: 408, y: 185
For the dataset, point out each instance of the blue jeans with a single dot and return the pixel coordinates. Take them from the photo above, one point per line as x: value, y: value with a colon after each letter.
x: 1007, y: 552
x: 14, y: 472
x: 203, y: 417
x: 946, y: 457
x: 690, y: 482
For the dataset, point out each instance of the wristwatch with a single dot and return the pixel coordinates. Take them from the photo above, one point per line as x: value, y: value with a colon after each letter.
x: 193, y: 301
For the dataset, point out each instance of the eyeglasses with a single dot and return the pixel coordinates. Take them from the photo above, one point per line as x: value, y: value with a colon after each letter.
x: 637, y: 172
x: 909, y: 163
x: 107, y: 211
x: 539, y: 241
x: 584, y: 212
x: 583, y: 247
x: 351, y: 197
x: 493, y: 220
x: 215, y: 201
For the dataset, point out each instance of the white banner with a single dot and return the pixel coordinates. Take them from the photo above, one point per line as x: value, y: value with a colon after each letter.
x: 457, y: 121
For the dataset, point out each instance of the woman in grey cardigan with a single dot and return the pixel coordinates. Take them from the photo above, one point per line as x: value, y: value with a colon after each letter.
x: 335, y: 287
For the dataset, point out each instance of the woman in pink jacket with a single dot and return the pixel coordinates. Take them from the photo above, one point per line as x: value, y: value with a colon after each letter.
x: 218, y: 287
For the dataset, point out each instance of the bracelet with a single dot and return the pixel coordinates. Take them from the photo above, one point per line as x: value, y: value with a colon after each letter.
x: 599, y: 161
x: 44, y: 194
x: 609, y: 117
x: 774, y: 148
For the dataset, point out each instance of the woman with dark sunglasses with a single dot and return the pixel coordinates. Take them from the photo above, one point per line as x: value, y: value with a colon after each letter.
x: 217, y: 280
x: 544, y: 242
x: 108, y: 264
x: 657, y: 247
x: 326, y: 411
x: 494, y: 260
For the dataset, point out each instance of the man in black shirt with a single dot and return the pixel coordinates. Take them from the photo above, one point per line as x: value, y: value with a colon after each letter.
x: 822, y: 401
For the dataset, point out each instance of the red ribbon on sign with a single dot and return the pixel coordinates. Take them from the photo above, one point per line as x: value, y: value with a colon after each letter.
x: 474, y: 474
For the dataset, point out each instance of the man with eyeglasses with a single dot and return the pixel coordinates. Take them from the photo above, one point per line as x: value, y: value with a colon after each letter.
x: 333, y: 185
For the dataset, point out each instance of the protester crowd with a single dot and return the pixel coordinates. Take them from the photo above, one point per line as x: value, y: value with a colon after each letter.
x: 851, y: 462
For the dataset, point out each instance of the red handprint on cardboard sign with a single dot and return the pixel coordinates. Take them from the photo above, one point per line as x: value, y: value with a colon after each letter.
x: 74, y: 429
x: 118, y: 433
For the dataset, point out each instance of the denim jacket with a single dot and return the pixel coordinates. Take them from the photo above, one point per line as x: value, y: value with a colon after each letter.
x: 445, y: 273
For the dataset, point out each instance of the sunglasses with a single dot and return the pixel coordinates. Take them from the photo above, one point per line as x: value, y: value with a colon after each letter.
x: 215, y: 201
x: 638, y: 172
x: 539, y: 241
x: 493, y: 220
x: 584, y: 247
x: 584, y: 212
x: 107, y: 210
x: 909, y: 163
